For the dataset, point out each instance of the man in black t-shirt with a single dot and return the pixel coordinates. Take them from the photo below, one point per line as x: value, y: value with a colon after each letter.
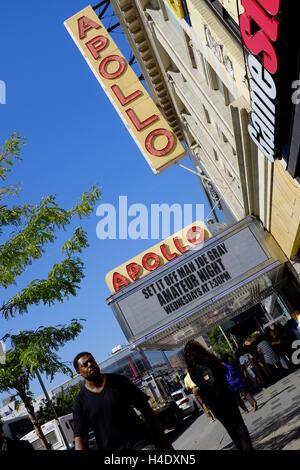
x: 106, y: 405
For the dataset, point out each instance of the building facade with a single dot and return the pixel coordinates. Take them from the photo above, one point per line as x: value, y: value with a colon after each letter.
x: 202, y: 63
x: 194, y: 61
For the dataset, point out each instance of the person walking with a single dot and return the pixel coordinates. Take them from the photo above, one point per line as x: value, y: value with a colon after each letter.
x: 209, y: 374
x: 295, y: 323
x: 270, y: 357
x: 275, y: 338
x: 251, y: 369
x: 105, y: 404
x: 237, y: 383
x: 190, y: 385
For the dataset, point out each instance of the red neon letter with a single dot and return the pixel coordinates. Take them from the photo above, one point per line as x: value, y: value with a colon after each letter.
x: 85, y: 24
x: 194, y: 239
x: 140, y: 125
x: 119, y: 281
x: 106, y: 61
x: 179, y: 245
x: 166, y: 254
x: 94, y: 50
x: 268, y: 25
x: 124, y: 100
x: 133, y: 271
x: 163, y: 152
x: 271, y: 7
x: 151, y: 256
x: 257, y: 43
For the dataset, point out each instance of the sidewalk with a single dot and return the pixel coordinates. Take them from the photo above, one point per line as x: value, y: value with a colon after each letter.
x: 275, y: 425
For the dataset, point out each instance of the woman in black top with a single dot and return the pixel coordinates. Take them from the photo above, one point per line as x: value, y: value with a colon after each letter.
x: 209, y: 375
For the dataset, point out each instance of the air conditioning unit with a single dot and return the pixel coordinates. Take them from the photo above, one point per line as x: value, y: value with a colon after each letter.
x: 116, y: 349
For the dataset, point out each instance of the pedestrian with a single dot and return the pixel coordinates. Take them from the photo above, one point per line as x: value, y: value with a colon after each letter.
x: 237, y: 383
x: 13, y: 444
x: 190, y: 385
x: 288, y: 335
x: 209, y: 374
x: 295, y: 323
x: 105, y: 405
x: 270, y: 357
x: 276, y: 341
x: 250, y: 368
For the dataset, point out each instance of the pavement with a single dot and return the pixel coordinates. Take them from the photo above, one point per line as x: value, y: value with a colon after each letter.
x: 274, y: 426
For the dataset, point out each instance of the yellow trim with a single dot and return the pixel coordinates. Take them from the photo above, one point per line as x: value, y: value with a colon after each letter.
x: 177, y: 7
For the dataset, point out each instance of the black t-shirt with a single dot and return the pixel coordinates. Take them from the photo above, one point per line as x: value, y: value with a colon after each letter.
x: 110, y: 414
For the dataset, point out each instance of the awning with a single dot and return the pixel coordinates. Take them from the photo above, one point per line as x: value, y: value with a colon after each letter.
x: 218, y: 310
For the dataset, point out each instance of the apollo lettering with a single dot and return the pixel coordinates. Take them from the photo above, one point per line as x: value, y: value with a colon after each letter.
x: 261, y: 41
x: 142, y: 117
x: 152, y: 261
x: 96, y: 47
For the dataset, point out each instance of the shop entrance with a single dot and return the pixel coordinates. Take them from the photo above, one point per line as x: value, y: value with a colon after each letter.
x: 245, y: 324
x: 274, y: 309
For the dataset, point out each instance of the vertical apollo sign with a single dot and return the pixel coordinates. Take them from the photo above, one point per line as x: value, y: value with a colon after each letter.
x: 158, y: 144
x: 260, y: 30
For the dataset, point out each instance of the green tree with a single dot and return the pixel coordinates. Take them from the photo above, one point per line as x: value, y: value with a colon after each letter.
x: 218, y: 343
x: 28, y: 229
x: 32, y: 352
x: 62, y: 403
x: 25, y: 230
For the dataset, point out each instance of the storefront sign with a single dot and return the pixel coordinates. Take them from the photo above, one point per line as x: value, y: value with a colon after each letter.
x: 145, y: 122
x: 260, y: 30
x: 180, y: 242
x: 183, y: 288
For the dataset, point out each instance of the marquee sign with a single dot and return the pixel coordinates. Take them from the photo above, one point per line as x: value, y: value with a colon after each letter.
x: 146, y: 124
x: 260, y: 31
x: 191, y: 236
x: 182, y: 288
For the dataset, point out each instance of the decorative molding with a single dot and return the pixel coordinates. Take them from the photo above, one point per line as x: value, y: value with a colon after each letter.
x: 218, y: 51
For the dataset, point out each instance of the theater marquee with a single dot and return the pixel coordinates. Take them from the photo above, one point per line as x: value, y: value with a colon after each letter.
x: 146, y: 124
x: 185, y: 286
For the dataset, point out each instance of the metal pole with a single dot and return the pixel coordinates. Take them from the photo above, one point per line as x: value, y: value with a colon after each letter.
x: 234, y: 340
x: 52, y: 409
x: 228, y: 342
x: 203, y: 179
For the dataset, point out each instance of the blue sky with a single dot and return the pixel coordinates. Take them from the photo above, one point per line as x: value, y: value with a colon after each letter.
x: 74, y: 138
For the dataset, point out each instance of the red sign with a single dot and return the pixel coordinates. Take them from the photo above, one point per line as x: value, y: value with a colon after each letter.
x: 259, y: 30
x: 145, y: 122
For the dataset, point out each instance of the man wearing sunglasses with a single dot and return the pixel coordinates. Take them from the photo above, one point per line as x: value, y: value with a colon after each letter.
x: 105, y: 404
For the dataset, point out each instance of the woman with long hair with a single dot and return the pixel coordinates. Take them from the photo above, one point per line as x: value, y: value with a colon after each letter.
x: 209, y: 374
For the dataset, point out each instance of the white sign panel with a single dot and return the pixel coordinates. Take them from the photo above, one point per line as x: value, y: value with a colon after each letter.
x: 208, y: 273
